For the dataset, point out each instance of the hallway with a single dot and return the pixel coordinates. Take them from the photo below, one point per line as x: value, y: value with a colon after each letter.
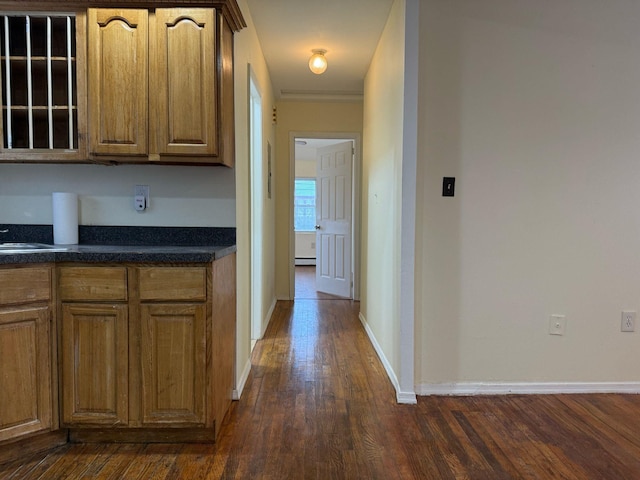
x: 305, y: 278
x: 318, y: 405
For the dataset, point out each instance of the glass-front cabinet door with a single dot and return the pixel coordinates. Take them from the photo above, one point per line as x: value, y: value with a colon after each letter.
x: 43, y: 87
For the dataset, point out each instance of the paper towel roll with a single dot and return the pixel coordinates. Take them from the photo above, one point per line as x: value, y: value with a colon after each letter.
x: 65, y: 218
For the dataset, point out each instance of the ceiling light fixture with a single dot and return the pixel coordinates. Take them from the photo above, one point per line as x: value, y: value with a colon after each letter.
x: 318, y: 62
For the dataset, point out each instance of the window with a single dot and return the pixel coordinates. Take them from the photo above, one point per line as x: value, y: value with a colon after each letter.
x: 304, y: 205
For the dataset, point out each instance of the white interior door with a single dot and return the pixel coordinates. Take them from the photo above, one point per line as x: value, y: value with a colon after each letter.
x: 333, y: 219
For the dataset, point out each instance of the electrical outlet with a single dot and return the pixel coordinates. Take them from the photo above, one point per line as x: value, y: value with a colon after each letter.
x: 557, y: 324
x: 628, y: 321
x: 141, y: 197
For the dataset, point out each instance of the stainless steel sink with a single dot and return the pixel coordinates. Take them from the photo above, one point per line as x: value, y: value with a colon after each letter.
x: 12, y: 248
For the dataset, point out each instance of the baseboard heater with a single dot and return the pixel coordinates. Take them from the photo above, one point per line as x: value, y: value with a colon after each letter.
x: 306, y: 261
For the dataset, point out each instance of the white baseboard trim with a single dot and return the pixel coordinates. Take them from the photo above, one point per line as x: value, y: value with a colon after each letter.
x: 242, y: 381
x: 406, y: 398
x: 267, y: 318
x: 283, y: 298
x: 525, y: 388
x: 401, y: 397
x: 305, y: 261
x: 237, y: 392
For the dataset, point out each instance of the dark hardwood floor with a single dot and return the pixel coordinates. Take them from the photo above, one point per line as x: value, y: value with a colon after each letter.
x: 318, y: 405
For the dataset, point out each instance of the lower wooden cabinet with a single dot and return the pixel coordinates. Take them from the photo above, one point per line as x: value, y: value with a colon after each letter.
x: 136, y: 352
x: 142, y: 348
x: 94, y: 345
x: 28, y: 390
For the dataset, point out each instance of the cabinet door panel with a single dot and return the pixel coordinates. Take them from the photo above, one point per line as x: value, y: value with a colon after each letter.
x: 173, y: 347
x: 185, y: 82
x: 118, y: 75
x: 25, y: 372
x: 95, y: 364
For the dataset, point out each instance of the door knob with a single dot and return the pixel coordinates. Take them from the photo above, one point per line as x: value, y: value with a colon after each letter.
x: 317, y: 227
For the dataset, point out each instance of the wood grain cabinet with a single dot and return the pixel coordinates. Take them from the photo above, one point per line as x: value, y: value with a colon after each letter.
x: 42, y: 76
x: 161, y: 85
x: 94, y: 345
x: 173, y: 345
x: 26, y: 352
x: 118, y: 65
x: 147, y: 347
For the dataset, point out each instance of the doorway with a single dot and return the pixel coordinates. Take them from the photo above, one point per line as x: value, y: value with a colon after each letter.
x: 310, y: 233
x: 257, y: 205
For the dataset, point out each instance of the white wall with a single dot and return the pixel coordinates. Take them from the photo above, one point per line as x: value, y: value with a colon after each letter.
x: 180, y: 195
x: 382, y: 190
x: 534, y: 107
x: 249, y: 52
x: 305, y: 245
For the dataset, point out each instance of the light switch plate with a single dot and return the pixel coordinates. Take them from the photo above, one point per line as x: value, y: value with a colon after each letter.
x: 448, y: 186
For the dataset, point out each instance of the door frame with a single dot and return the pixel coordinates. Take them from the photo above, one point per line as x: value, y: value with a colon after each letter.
x: 356, y: 181
x: 256, y: 205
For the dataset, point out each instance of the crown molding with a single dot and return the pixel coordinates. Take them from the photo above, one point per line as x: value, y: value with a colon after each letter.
x: 229, y: 8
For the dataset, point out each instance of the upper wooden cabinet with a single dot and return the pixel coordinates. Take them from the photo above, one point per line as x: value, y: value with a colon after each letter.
x: 159, y: 85
x: 118, y: 90
x: 42, y: 60
x: 123, y: 81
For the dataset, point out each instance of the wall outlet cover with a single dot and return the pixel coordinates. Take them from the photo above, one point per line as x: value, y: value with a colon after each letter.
x: 141, y: 191
x: 557, y: 324
x: 628, y: 321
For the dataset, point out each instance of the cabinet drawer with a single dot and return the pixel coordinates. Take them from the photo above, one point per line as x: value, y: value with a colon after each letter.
x: 173, y: 283
x: 93, y: 283
x: 25, y: 285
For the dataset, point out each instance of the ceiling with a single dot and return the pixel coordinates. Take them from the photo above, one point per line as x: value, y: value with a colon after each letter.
x: 348, y: 30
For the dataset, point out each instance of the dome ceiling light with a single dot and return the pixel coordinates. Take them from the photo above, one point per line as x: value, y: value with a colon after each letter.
x: 318, y: 62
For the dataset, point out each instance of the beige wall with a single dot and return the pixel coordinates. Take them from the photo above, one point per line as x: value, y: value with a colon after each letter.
x: 534, y: 107
x: 309, y: 117
x: 248, y: 52
x: 306, y: 168
x: 382, y: 190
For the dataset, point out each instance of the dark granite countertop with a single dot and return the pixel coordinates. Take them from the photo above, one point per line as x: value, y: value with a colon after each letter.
x: 123, y: 253
x: 115, y: 244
